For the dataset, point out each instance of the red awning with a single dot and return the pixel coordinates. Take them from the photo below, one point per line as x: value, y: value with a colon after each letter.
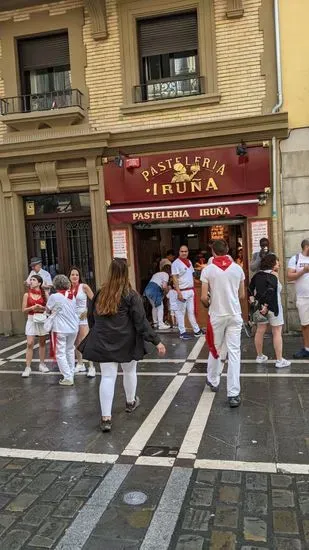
x: 225, y: 207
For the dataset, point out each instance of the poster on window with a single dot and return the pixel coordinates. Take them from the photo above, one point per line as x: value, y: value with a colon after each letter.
x: 120, y: 243
x: 259, y: 230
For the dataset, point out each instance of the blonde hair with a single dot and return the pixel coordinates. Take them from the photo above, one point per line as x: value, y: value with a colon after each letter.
x: 116, y: 286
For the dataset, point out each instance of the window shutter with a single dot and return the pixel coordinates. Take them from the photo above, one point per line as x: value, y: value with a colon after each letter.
x: 43, y: 52
x: 169, y: 34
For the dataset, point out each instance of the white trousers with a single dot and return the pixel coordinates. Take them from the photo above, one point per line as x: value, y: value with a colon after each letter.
x: 108, y: 380
x: 157, y: 313
x: 227, y: 334
x: 65, y: 353
x: 187, y: 306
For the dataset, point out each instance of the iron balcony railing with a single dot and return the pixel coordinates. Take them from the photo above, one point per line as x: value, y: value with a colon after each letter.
x: 45, y: 101
x: 180, y: 86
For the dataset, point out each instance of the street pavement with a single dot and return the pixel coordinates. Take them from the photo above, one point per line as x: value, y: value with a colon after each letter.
x: 183, y: 472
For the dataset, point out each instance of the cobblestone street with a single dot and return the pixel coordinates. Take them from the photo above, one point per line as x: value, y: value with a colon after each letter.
x: 184, y: 472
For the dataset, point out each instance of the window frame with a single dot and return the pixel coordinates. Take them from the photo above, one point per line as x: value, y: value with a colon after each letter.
x: 129, y: 12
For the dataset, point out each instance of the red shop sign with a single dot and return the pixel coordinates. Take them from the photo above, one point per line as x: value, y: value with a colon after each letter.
x: 206, y: 173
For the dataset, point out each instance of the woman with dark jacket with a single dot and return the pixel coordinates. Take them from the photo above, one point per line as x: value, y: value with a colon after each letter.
x: 266, y: 288
x: 118, y: 332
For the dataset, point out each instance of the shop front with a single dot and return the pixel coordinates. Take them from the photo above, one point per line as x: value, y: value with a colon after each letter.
x: 159, y: 202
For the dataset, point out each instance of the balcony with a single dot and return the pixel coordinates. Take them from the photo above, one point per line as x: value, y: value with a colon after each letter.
x: 171, y: 88
x: 50, y: 109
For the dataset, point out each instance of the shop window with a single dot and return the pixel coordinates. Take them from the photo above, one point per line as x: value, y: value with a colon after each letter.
x: 168, y: 57
x: 45, y: 75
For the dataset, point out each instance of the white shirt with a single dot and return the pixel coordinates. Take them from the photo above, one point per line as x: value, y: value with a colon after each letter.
x: 185, y: 274
x: 161, y: 279
x: 66, y: 321
x: 172, y: 296
x: 224, y: 287
x: 301, y: 284
x: 47, y: 280
x: 81, y: 299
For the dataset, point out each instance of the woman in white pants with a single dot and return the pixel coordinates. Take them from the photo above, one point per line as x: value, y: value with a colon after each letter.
x: 65, y: 326
x: 118, y: 331
x: 81, y: 292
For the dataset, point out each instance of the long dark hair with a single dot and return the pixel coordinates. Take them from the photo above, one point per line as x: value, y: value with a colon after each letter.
x: 116, y: 286
x: 75, y: 268
x: 40, y: 281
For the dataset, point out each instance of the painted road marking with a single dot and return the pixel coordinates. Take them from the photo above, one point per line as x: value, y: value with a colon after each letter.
x: 58, y: 455
x: 197, y: 348
x: 164, y: 520
x: 4, y: 350
x: 149, y: 425
x: 192, y: 439
x: 83, y: 525
x: 19, y: 353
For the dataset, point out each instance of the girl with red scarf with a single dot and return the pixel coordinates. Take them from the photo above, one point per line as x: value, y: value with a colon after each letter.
x: 34, y: 302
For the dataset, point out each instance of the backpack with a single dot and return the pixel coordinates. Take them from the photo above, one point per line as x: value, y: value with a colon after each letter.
x: 296, y: 259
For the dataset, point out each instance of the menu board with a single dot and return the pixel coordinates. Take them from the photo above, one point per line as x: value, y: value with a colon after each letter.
x: 120, y: 243
x: 259, y: 230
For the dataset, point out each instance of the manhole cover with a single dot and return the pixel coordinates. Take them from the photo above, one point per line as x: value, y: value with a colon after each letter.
x: 134, y: 498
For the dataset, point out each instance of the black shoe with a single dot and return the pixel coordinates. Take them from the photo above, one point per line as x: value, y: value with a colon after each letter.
x: 201, y: 332
x: 215, y: 389
x: 130, y: 407
x: 105, y: 425
x: 301, y: 354
x: 234, y: 401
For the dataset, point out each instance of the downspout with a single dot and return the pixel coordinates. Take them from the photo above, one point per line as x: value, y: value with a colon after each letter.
x: 275, y: 109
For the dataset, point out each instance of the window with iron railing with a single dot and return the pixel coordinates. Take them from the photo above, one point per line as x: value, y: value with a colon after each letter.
x: 168, y: 48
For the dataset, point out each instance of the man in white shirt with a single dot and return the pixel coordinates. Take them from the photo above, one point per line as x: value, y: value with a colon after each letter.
x: 298, y: 272
x: 36, y: 269
x: 223, y: 280
x: 182, y: 271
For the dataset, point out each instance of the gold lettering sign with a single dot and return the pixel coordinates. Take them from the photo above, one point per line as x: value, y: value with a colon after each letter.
x: 186, y: 178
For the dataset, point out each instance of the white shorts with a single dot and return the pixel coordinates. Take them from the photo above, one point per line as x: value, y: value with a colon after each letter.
x: 273, y: 320
x: 34, y: 329
x: 82, y: 322
x: 303, y: 310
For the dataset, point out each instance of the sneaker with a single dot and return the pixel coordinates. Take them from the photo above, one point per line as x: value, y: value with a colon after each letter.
x: 164, y: 326
x: 91, y: 372
x: 261, y: 358
x: 201, y: 332
x: 234, y: 401
x: 214, y: 389
x: 185, y: 336
x: 301, y: 354
x: 283, y: 363
x: 105, y: 425
x: 80, y: 367
x: 130, y: 407
x: 66, y: 382
x: 26, y: 372
x: 43, y: 367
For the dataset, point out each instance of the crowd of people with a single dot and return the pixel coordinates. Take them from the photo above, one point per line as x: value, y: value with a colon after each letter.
x: 84, y: 325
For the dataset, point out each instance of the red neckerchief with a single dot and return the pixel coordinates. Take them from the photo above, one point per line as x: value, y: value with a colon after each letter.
x: 67, y: 293
x: 185, y: 261
x: 75, y: 290
x: 223, y: 262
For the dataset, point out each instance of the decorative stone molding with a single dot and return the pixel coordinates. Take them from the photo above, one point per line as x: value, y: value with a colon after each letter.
x: 46, y: 172
x: 5, y: 180
x: 97, y: 12
x: 92, y: 173
x: 234, y: 9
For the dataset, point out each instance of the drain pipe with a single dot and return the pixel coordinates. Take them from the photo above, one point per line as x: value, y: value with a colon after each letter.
x: 275, y: 109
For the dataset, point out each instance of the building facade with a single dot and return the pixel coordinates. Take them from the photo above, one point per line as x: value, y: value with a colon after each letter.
x: 128, y: 127
x: 295, y: 148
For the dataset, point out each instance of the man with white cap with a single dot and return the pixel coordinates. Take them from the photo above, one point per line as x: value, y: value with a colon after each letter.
x: 36, y: 269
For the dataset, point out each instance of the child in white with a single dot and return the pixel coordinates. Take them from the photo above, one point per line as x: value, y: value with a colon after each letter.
x: 65, y: 327
x: 224, y: 279
x: 173, y: 305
